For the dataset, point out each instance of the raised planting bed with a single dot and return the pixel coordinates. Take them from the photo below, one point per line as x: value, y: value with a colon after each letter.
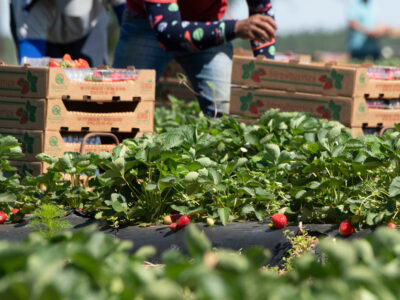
x: 234, y: 236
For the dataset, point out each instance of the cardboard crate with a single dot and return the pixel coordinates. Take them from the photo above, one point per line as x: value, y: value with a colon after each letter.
x: 317, y: 78
x: 52, y: 142
x: 279, y: 56
x: 172, y: 87
x: 34, y: 168
x: 254, y: 102
x: 44, y: 82
x: 52, y: 114
x: 365, y: 116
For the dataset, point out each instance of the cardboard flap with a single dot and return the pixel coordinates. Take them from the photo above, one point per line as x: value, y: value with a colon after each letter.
x: 367, y: 64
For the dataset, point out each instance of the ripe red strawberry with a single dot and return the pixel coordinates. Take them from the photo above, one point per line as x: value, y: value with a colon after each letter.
x: 54, y: 63
x: 3, y: 217
x: 346, y: 228
x: 67, y: 57
x: 15, y: 211
x: 391, y: 225
x: 174, y: 227
x: 82, y: 63
x: 169, y: 219
x: 279, y: 221
x: 183, y: 221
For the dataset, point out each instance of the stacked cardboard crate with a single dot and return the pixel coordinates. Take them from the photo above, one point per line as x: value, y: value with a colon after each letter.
x: 171, y: 82
x: 350, y: 94
x: 48, y: 112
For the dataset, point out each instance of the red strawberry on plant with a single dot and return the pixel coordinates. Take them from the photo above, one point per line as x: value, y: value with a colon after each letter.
x: 16, y: 215
x: 256, y: 77
x: 391, y: 225
x: 168, y: 220
x: 279, y: 221
x: 183, y: 221
x: 3, y: 217
x: 174, y: 227
x: 345, y: 228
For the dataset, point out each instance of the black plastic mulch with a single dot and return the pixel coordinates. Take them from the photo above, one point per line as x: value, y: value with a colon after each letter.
x: 235, y: 236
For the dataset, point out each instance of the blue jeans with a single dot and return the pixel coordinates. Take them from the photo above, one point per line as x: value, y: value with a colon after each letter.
x: 138, y: 46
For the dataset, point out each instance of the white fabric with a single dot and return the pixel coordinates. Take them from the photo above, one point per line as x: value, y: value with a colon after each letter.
x: 45, y: 21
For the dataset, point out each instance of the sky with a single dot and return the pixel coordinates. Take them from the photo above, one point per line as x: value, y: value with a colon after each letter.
x: 292, y: 15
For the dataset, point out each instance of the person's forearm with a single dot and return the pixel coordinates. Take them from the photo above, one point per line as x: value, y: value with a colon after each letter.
x: 267, y: 47
x: 175, y: 34
x: 357, y: 27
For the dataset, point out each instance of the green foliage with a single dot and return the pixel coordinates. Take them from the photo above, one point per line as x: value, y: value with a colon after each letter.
x: 311, y: 169
x: 48, y: 220
x: 93, y: 265
x: 301, y: 243
x: 10, y: 187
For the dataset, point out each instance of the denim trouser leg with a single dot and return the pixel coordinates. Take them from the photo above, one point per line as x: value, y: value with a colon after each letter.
x: 208, y: 69
x: 138, y: 46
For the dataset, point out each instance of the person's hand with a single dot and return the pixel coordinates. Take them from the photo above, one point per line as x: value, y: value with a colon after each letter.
x: 257, y: 27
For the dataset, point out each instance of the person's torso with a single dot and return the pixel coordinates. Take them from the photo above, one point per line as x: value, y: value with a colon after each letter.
x: 45, y: 21
x: 365, y: 15
x: 191, y: 10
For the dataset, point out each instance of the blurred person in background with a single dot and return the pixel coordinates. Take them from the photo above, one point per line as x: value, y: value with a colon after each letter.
x: 364, y: 30
x: 197, y: 36
x: 55, y: 27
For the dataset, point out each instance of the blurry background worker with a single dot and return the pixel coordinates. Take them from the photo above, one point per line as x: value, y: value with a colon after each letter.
x: 364, y: 31
x: 197, y: 36
x: 55, y: 27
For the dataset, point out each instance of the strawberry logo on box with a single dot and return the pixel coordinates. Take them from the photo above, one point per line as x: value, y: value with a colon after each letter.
x: 334, y: 80
x: 330, y: 112
x: 247, y: 104
x: 28, y: 84
x: 249, y: 71
x: 29, y: 113
x: 27, y: 143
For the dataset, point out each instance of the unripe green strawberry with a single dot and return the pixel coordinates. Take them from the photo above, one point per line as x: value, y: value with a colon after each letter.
x: 210, y: 221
